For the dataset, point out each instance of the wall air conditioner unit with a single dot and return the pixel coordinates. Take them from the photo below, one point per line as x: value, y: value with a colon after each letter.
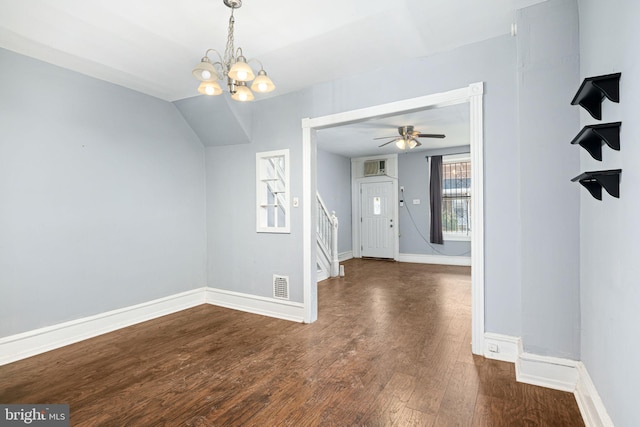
x: 375, y: 167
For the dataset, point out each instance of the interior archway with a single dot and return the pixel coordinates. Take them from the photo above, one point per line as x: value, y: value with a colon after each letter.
x: 472, y: 95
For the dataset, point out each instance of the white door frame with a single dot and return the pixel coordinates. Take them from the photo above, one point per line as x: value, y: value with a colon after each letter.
x: 393, y: 213
x: 471, y: 94
x: 356, y: 180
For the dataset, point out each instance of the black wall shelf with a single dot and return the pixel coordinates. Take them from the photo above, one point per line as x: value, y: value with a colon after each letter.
x: 592, y: 137
x: 595, y: 181
x: 594, y: 89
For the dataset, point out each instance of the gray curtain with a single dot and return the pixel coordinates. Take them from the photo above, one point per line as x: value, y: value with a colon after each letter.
x: 435, y: 197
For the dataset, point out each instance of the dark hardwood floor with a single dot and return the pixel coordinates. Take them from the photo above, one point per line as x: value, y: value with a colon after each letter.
x: 391, y: 347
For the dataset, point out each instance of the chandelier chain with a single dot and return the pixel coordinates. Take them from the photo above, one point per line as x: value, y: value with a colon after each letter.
x: 229, y: 51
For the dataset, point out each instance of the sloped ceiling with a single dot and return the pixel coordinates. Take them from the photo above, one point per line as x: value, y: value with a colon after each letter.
x: 152, y: 45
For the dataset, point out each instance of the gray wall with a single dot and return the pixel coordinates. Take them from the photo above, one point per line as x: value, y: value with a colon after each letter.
x: 548, y: 72
x: 102, y: 192
x: 413, y: 175
x: 244, y: 261
x: 610, y: 290
x: 334, y: 186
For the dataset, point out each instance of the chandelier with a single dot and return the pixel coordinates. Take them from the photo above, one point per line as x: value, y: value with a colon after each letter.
x: 233, y: 66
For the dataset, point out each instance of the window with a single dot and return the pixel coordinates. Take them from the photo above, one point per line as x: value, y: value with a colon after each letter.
x: 272, y: 192
x: 456, y: 198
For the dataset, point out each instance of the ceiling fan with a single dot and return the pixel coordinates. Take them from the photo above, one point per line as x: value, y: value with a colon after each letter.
x: 408, y: 138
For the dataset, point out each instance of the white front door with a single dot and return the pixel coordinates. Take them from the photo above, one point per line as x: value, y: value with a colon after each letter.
x: 377, y: 225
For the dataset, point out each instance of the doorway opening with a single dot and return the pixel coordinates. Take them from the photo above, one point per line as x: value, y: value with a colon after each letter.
x: 472, y: 95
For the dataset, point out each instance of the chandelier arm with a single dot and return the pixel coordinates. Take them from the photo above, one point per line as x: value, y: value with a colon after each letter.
x: 206, y: 54
x: 256, y: 60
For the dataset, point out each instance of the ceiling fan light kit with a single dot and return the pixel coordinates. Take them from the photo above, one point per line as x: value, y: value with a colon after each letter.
x: 408, y: 138
x: 233, y: 66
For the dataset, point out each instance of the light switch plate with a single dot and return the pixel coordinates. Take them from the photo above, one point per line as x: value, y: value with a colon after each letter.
x: 416, y: 201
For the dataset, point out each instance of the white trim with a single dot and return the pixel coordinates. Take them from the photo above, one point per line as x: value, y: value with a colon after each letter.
x: 472, y: 94
x: 476, y: 135
x: 27, y: 344
x: 547, y: 371
x: 453, y: 237
x: 345, y: 256
x: 261, y: 188
x: 551, y: 372
x: 309, y: 287
x: 502, y: 347
x: 591, y: 407
x: 287, y: 310
x: 356, y: 182
x: 322, y: 275
x: 435, y: 259
x: 357, y: 204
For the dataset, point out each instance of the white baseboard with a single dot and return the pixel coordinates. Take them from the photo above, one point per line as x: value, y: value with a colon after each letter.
x: 27, y: 344
x: 547, y: 371
x: 435, y: 259
x: 502, y: 347
x: 551, y: 372
x: 281, y: 309
x: 321, y: 275
x: 591, y: 407
x: 344, y: 256
x: 544, y: 371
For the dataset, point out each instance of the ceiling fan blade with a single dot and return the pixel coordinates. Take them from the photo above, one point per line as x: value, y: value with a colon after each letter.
x: 384, y: 137
x: 389, y: 142
x: 430, y: 135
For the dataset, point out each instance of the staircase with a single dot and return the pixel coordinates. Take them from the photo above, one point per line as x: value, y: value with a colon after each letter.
x: 327, y: 241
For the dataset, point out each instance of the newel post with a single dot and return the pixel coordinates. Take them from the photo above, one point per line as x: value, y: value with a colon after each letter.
x: 335, y: 264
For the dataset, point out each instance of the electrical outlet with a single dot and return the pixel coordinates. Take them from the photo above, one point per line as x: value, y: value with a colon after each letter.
x: 402, y: 189
x: 493, y: 348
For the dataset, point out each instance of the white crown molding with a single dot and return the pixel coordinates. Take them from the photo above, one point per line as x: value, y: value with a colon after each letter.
x: 30, y: 343
x: 435, y: 259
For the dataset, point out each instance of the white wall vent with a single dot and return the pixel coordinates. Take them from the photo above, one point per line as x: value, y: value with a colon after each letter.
x: 375, y: 167
x: 280, y: 287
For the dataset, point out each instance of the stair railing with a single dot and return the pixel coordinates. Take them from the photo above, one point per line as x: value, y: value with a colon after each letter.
x: 327, y: 236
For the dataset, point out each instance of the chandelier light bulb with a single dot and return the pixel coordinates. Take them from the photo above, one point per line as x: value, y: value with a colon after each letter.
x: 242, y: 93
x: 262, y: 83
x: 210, y: 88
x: 206, y: 74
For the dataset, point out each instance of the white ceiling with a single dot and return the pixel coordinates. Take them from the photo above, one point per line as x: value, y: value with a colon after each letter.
x: 356, y: 140
x: 152, y: 45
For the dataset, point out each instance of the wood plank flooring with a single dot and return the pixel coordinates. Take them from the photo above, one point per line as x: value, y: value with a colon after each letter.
x: 391, y: 348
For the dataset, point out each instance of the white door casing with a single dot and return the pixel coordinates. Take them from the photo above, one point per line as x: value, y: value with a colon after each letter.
x: 377, y: 225
x: 473, y: 95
